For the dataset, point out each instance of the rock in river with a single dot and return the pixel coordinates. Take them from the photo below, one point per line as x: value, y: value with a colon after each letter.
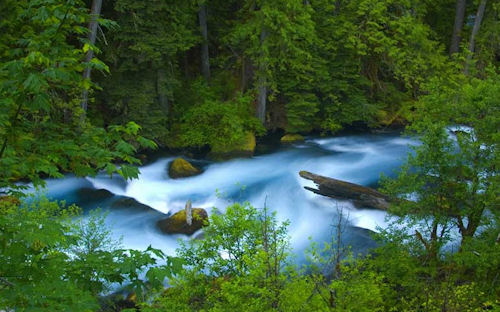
x: 177, y: 223
x: 181, y: 168
x: 291, y: 138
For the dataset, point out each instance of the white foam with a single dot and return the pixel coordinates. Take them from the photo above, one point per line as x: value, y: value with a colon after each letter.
x: 269, y: 179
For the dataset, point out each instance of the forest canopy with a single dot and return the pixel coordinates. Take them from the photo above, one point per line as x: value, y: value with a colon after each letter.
x: 87, y: 86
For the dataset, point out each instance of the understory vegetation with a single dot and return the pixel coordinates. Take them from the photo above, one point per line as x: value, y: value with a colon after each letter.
x: 87, y: 86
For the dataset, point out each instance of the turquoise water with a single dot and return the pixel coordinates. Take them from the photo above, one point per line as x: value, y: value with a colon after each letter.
x: 271, y: 179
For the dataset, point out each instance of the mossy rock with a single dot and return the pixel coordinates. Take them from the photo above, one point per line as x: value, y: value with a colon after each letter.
x: 176, y: 224
x: 244, y: 148
x: 291, y: 138
x: 181, y: 168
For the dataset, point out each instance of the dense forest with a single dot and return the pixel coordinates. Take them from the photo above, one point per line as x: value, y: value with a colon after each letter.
x: 90, y: 86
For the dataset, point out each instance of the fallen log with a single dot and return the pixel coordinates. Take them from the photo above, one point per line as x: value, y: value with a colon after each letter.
x: 361, y: 196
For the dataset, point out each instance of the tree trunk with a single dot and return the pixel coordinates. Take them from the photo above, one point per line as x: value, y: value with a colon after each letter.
x: 360, y: 195
x: 475, y: 31
x: 261, y: 100
x: 189, y: 213
x: 205, y: 58
x: 457, y: 29
x: 95, y: 11
x: 337, y: 7
x: 161, y: 90
x: 247, y: 71
x: 243, y: 74
x: 262, y: 82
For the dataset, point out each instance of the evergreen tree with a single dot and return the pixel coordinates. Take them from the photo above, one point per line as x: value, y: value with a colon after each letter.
x: 41, y: 132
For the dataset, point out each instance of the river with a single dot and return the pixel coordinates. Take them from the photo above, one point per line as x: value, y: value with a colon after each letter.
x: 269, y: 179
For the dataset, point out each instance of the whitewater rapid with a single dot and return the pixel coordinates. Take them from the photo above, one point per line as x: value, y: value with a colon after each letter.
x: 271, y: 179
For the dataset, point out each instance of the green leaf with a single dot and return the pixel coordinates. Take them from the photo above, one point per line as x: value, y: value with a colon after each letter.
x: 129, y: 172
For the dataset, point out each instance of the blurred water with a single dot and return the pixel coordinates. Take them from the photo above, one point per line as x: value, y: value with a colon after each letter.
x: 270, y: 179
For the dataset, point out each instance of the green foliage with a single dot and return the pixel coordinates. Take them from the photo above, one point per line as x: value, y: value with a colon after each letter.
x: 50, y: 262
x: 452, y: 183
x: 142, y: 54
x: 244, y: 254
x: 412, y: 285
x: 42, y: 131
x: 278, y: 38
x: 229, y: 238
x: 480, y: 259
x: 325, y: 64
x: 488, y: 39
x: 219, y: 124
x: 453, y: 176
x: 358, y: 289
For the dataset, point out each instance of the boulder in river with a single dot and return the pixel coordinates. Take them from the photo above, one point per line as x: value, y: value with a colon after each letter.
x: 291, y: 138
x: 177, y: 223
x: 181, y: 168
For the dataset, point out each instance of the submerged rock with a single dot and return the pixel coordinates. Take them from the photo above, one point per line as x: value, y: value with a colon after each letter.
x: 245, y: 148
x: 128, y: 202
x: 291, y: 138
x: 181, y: 168
x: 91, y: 194
x: 177, y: 223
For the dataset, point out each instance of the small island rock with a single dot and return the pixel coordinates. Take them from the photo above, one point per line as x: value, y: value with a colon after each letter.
x: 291, y: 138
x: 177, y: 223
x: 181, y: 168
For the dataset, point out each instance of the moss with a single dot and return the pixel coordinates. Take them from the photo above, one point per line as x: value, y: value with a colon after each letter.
x: 179, y: 217
x: 249, y: 143
x: 291, y: 138
x: 244, y: 148
x: 176, y: 224
x: 181, y: 168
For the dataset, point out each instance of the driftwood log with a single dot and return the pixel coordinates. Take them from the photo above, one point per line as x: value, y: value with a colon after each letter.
x: 361, y: 196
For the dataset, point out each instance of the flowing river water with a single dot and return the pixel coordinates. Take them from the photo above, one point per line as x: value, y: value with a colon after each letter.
x: 270, y: 179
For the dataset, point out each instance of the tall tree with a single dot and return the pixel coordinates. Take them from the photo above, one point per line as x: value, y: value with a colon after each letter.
x: 457, y: 28
x: 275, y: 36
x: 262, y: 79
x: 205, y: 58
x: 453, y: 176
x: 95, y: 11
x: 41, y: 81
x: 144, y: 53
x: 475, y: 31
